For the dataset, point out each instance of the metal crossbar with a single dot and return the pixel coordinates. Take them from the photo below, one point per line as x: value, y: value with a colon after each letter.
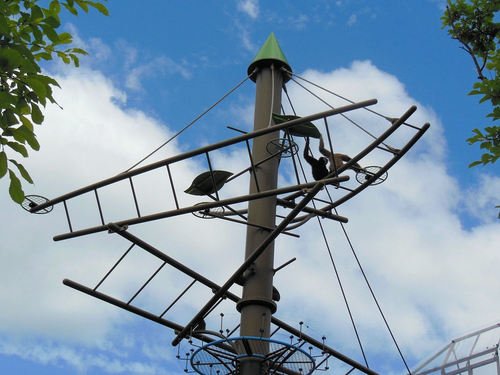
x: 203, y: 150
x: 214, y: 287
x: 209, y: 205
x: 114, y: 266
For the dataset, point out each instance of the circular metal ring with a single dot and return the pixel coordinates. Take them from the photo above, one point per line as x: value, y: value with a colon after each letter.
x: 31, y: 201
x: 223, y: 357
x: 283, y: 147
x: 209, y: 212
x: 367, y: 173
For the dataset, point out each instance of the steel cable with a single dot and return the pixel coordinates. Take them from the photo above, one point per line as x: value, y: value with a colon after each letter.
x: 190, y: 124
x: 327, y: 245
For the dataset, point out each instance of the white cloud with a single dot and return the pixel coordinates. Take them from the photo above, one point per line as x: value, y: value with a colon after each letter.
x: 480, y: 200
x: 245, y: 38
x: 94, y: 137
x: 157, y: 66
x: 81, y: 360
x: 249, y: 7
x: 94, y: 46
x: 130, y: 53
x: 299, y: 22
x: 433, y: 276
x: 353, y: 18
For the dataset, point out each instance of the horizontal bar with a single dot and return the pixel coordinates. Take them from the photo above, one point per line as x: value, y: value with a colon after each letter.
x: 309, y: 210
x: 223, y: 217
x: 202, y: 150
x: 207, y: 205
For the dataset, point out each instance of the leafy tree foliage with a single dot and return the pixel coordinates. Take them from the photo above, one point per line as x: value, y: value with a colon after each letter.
x: 29, y: 34
x: 473, y: 24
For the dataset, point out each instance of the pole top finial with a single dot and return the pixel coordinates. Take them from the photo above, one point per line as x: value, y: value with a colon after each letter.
x: 269, y: 53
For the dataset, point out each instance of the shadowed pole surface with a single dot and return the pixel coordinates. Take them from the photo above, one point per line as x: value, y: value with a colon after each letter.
x: 257, y: 306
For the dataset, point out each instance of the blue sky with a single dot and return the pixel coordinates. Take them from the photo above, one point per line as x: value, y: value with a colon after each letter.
x: 212, y: 44
x: 427, y: 236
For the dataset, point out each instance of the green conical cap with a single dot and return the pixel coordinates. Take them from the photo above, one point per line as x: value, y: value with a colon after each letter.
x: 270, y: 53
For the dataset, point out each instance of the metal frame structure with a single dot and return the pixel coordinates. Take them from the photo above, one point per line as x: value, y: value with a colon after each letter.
x: 257, y: 305
x: 466, y: 355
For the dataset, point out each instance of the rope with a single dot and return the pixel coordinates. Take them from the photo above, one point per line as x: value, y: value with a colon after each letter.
x: 339, y: 280
x: 190, y: 124
x: 371, y: 290
x: 289, y: 136
x: 331, y: 147
x: 361, y: 268
x: 272, y: 97
x: 359, y: 263
x: 342, y: 97
x: 341, y: 288
x: 342, y: 114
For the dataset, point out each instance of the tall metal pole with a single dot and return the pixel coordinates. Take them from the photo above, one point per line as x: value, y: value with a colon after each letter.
x: 257, y: 305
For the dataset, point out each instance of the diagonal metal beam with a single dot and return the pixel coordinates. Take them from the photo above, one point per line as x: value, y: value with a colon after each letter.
x: 249, y: 260
x: 214, y: 287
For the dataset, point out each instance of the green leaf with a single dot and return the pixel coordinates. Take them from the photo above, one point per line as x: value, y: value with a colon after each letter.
x: 65, y: 38
x: 22, y: 170
x: 70, y: 7
x: 7, y: 99
x: 486, y: 158
x: 15, y: 188
x: 38, y: 35
x: 75, y: 59
x: 25, y: 134
x: 43, y: 55
x: 79, y: 50
x: 204, y: 183
x: 10, y: 58
x: 302, y: 130
x: 55, y: 7
x: 64, y: 57
x: 3, y: 164
x: 10, y: 117
x: 53, y: 20
x: 4, y: 22
x: 22, y: 107
x: 17, y: 134
x: 39, y: 87
x: 18, y: 148
x: 485, y: 145
x: 36, y: 14
x: 47, y: 80
x: 100, y: 7
x: 36, y: 114
x: 50, y: 32
x: 26, y: 122
x: 82, y: 4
